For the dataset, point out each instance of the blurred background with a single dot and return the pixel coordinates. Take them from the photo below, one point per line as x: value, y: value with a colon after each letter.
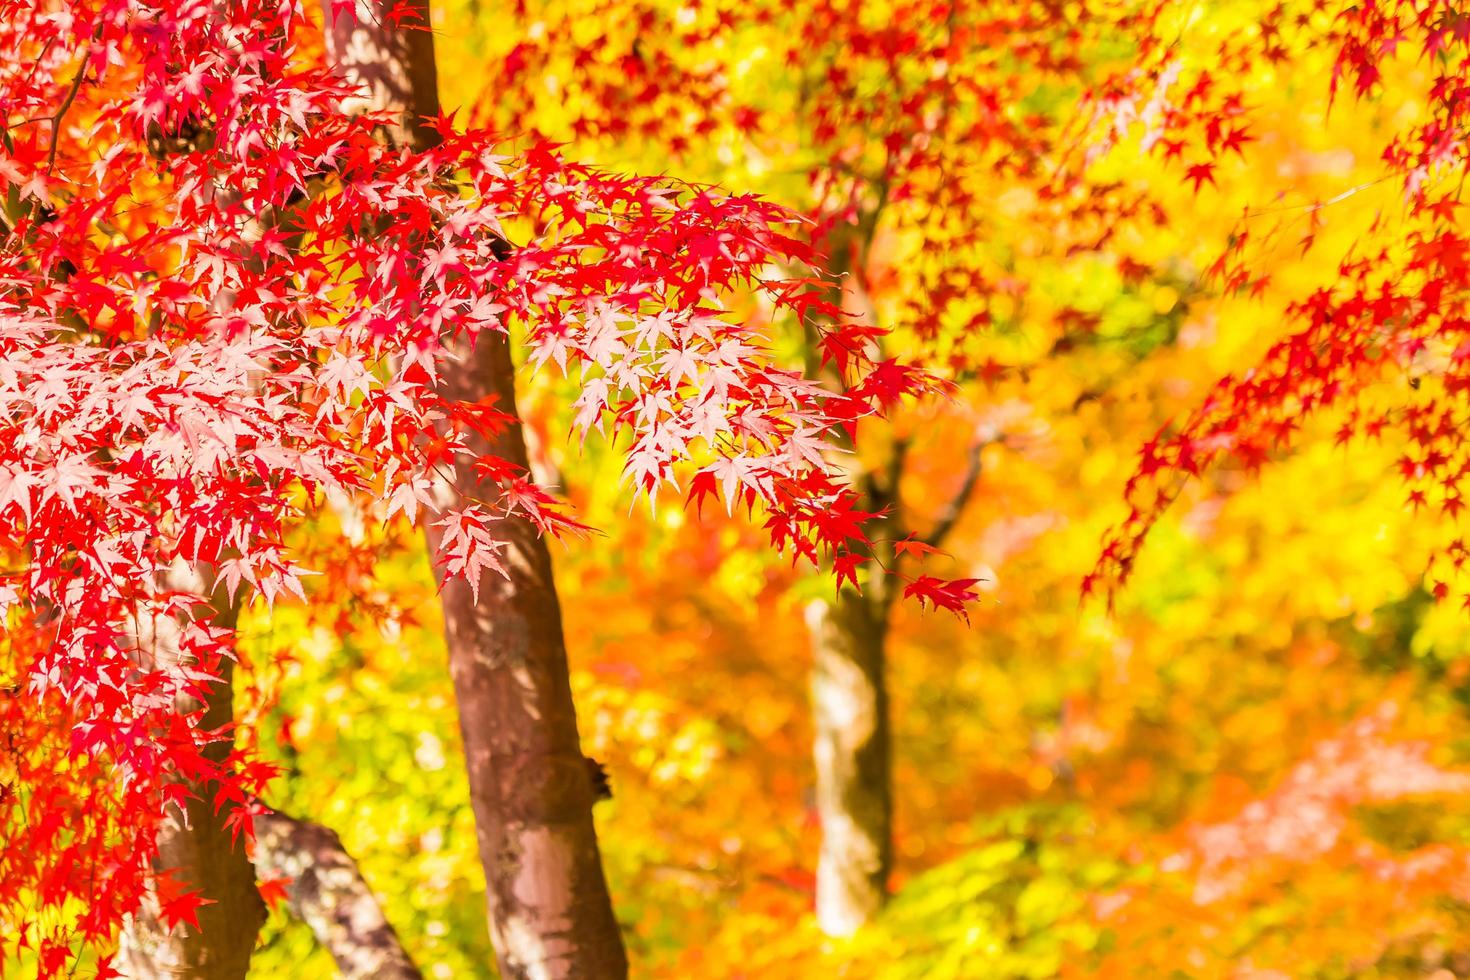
x: 1252, y: 765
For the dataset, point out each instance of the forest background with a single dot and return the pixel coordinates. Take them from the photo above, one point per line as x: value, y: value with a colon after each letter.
x: 1215, y: 777
x: 1250, y: 760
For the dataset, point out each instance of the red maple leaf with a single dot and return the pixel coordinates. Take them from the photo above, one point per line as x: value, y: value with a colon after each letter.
x: 273, y: 890
x: 1200, y: 173
x: 176, y: 905
x: 911, y: 546
x: 953, y: 595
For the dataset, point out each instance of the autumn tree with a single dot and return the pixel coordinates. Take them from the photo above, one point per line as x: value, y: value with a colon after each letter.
x: 241, y: 291
x: 1369, y: 275
x: 890, y: 127
x: 549, y: 909
x: 1219, y: 108
x: 235, y: 293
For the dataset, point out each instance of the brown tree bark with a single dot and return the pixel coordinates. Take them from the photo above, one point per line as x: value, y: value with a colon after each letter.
x: 393, y: 63
x: 204, y: 853
x: 327, y: 892
x: 550, y: 913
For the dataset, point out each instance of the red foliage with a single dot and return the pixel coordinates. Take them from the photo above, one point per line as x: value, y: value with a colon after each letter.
x: 1390, y: 318
x: 222, y: 301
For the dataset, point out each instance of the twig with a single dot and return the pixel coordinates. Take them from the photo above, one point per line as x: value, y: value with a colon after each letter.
x: 1318, y: 205
x: 71, y: 95
x: 956, y: 506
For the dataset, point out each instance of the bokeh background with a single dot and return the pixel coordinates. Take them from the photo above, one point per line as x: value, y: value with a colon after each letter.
x: 1253, y: 763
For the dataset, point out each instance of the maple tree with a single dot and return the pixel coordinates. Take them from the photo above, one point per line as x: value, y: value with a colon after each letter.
x: 694, y: 81
x: 1380, y: 341
x: 1252, y: 766
x: 897, y: 123
x: 229, y: 300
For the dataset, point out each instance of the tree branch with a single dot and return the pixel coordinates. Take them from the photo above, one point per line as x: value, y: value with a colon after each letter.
x: 956, y: 505
x: 327, y: 892
x: 71, y: 95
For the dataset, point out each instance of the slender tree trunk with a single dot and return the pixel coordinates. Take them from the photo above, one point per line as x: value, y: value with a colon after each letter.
x: 851, y: 720
x: 852, y: 739
x: 327, y: 892
x: 852, y: 749
x: 195, y: 843
x: 206, y: 857
x: 550, y: 913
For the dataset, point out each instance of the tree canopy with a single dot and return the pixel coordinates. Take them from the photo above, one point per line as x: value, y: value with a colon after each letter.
x: 1134, y: 335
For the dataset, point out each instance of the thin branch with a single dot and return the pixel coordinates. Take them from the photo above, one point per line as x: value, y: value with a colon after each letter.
x: 956, y: 506
x: 71, y: 95
x: 40, y: 59
x: 1314, y: 206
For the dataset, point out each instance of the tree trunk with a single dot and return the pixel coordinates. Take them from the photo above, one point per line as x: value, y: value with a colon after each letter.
x: 394, y: 65
x: 853, y: 759
x: 550, y: 913
x: 207, y: 857
x: 327, y: 892
x: 852, y: 746
x: 196, y: 843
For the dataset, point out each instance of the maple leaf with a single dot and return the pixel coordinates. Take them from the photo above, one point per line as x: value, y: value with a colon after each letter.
x: 274, y: 891
x: 845, y: 568
x: 953, y: 595
x: 1200, y: 173
x: 177, y: 906
x: 912, y: 546
x: 1236, y: 140
x: 702, y: 485
x: 467, y: 549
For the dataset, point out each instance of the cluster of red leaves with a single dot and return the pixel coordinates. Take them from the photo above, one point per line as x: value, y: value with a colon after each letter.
x: 1392, y: 319
x: 224, y: 299
x: 921, y: 114
x: 631, y: 81
x: 919, y: 109
x: 68, y: 832
x: 909, y: 114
